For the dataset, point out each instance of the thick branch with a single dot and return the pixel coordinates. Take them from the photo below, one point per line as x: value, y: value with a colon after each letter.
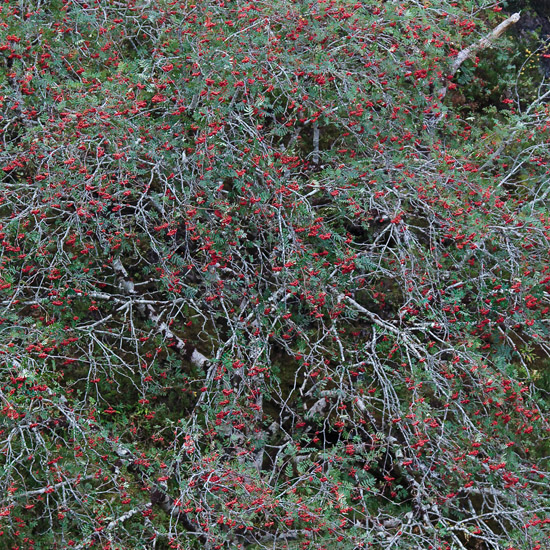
x: 147, y: 309
x: 482, y: 44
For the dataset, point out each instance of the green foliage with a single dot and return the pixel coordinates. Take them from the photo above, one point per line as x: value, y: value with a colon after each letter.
x: 270, y: 277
